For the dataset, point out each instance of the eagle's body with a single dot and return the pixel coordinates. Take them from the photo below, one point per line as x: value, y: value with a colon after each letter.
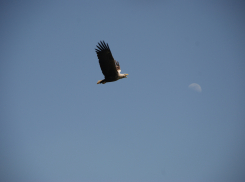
x: 109, y: 67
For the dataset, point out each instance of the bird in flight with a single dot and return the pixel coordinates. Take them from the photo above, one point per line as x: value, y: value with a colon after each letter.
x: 109, y: 66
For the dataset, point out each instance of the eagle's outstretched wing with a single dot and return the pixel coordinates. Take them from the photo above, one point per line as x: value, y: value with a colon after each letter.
x: 107, y: 63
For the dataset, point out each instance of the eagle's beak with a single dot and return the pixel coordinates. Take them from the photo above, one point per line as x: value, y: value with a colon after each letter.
x: 126, y: 75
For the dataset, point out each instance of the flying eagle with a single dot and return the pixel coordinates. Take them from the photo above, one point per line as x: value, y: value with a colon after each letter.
x: 109, y: 67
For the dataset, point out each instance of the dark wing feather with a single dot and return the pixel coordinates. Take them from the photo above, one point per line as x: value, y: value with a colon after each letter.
x: 117, y: 65
x: 106, y: 60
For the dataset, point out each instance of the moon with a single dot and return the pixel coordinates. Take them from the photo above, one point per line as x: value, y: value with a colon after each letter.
x: 195, y: 87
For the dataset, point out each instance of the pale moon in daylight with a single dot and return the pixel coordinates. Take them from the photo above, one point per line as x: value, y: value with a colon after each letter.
x: 196, y: 87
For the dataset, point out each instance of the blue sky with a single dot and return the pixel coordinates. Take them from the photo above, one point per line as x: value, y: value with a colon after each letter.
x: 57, y: 124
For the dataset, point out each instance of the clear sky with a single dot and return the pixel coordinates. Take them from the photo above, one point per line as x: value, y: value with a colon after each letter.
x: 57, y: 124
